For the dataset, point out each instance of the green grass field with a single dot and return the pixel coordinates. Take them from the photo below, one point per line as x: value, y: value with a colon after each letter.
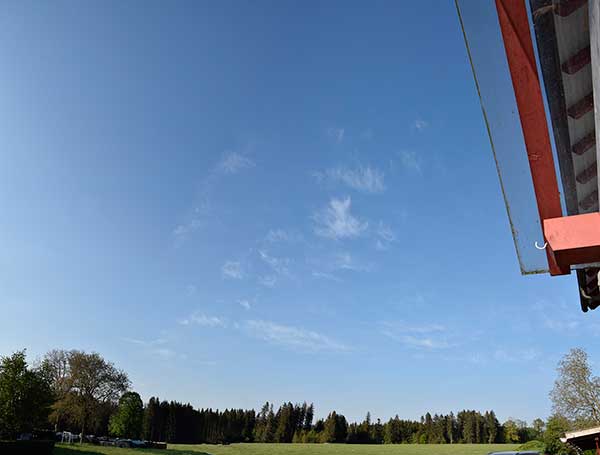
x: 292, y: 449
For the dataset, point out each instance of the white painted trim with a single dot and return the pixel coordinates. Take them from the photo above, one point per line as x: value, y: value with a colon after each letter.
x: 581, y: 433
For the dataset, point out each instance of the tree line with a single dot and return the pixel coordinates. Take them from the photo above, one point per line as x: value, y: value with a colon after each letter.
x: 84, y: 393
x: 293, y: 423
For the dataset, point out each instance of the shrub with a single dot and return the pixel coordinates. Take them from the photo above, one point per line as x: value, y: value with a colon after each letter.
x: 534, y: 446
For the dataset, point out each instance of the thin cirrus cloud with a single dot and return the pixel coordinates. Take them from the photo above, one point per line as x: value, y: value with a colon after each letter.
x: 279, y: 265
x: 326, y: 276
x: 282, y: 235
x: 292, y: 337
x: 156, y: 348
x: 245, y: 304
x: 267, y: 281
x: 286, y: 336
x: 420, y: 124
x: 363, y: 179
x: 233, y: 270
x: 427, y: 336
x: 337, y: 134
x: 230, y: 163
x: 423, y: 342
x: 233, y: 162
x: 336, y: 222
x: 385, y: 236
x: 515, y: 355
x: 556, y: 316
x: 340, y: 262
x: 410, y: 160
x: 563, y: 326
x: 203, y: 320
x: 385, y: 232
x: 346, y: 261
x: 145, y: 343
x: 167, y: 354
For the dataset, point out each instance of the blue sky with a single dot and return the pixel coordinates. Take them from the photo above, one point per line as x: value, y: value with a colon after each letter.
x: 238, y: 202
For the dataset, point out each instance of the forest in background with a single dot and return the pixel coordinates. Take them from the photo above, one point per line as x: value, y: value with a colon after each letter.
x: 295, y: 423
x: 86, y: 394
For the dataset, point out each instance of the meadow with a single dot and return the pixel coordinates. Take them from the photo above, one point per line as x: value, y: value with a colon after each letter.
x: 293, y: 449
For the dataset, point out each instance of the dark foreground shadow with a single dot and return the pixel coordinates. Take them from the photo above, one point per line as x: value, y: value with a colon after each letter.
x: 91, y: 450
x: 66, y: 451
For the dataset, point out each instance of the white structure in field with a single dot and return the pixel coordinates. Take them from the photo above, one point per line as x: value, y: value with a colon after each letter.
x: 67, y: 436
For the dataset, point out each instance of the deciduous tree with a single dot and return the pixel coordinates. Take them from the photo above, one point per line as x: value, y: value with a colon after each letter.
x: 93, y: 384
x: 576, y: 392
x: 25, y: 396
x: 128, y: 421
x: 56, y: 368
x: 511, y: 431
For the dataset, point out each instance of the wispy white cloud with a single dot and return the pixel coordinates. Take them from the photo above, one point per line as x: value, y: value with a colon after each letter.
x: 204, y: 321
x: 476, y: 358
x: 197, y: 221
x: 326, y: 276
x: 336, y: 222
x: 233, y: 162
x: 202, y: 210
x: 421, y: 342
x: 364, y: 179
x: 337, y: 134
x: 330, y: 266
x: 427, y: 336
x: 232, y: 269
x: 420, y: 124
x: 518, y: 355
x: 417, y: 328
x: 293, y: 337
x: 385, y: 236
x: 284, y: 335
x: 561, y: 325
x: 282, y: 235
x: 279, y: 265
x: 346, y: 261
x: 245, y: 304
x: 410, y: 160
x: 157, y: 348
x: 168, y: 354
x: 146, y: 343
x: 559, y: 317
x: 385, y: 232
x: 268, y: 281
x: 499, y: 355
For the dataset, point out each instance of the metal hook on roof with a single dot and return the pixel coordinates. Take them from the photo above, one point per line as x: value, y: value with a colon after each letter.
x: 541, y: 247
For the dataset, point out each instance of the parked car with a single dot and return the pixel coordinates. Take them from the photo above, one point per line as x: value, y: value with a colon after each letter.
x: 130, y: 443
x: 90, y: 438
x: 104, y: 441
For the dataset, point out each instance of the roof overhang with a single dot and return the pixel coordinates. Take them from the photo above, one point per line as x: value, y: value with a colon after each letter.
x: 564, y: 38
x: 584, y: 439
x: 567, y: 50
